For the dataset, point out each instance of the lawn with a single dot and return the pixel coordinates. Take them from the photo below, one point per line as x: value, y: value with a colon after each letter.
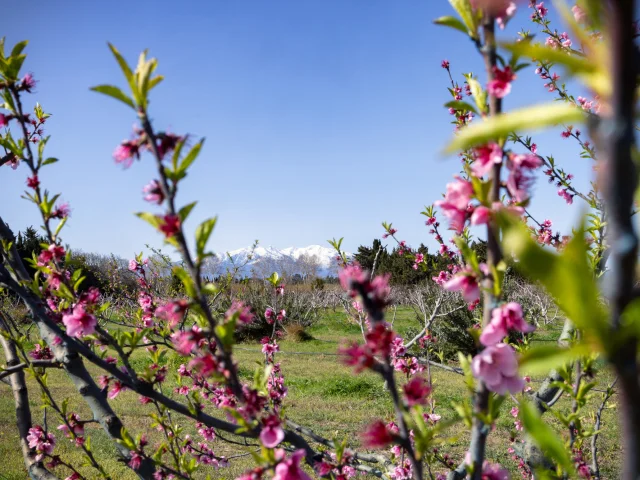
x: 323, y: 395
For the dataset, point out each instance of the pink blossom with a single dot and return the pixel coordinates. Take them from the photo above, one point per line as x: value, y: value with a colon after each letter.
x: 43, y: 443
x: 61, y: 211
x: 135, y: 460
x: 503, y: 16
x: 445, y: 64
x: 357, y: 356
x: 494, y: 471
x: 289, y: 469
x: 352, y: 274
x: 518, y: 184
x: 416, y: 391
x: 133, y: 265
x: 500, y: 86
x: 503, y: 319
x: 272, y: 433
x: 33, y: 182
x: 579, y: 14
x: 153, y: 192
x: 564, y: 193
x: 497, y: 367
x: 542, y: 10
x: 466, y: 283
x: 27, y: 83
x: 3, y: 120
x: 455, y: 203
x: 79, y: 323
x: 242, y: 311
x: 377, y: 435
x: 480, y: 215
x: 172, y: 312
x: 205, y: 365
x: 116, y: 389
x: 126, y: 152
x: 169, y: 225
x: 485, y: 157
x: 186, y: 341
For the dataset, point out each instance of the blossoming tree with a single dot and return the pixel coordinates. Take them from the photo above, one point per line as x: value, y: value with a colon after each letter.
x: 492, y: 191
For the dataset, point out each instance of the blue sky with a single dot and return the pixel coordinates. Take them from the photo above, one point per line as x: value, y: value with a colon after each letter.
x: 322, y: 118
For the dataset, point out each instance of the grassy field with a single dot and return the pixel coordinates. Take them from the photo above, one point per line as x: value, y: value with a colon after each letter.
x: 323, y: 394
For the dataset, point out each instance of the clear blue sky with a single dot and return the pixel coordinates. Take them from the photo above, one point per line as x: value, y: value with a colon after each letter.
x: 322, y: 118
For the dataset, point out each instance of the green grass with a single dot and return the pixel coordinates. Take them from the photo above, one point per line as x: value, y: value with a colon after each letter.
x: 323, y: 394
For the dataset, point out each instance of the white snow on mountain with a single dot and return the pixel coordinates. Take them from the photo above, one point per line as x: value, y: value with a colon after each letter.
x: 314, y: 260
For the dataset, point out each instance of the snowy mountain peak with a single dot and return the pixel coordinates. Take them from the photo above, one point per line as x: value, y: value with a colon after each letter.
x: 314, y: 260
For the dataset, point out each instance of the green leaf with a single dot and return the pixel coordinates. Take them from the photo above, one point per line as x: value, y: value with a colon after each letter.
x: 185, y: 211
x: 544, y: 436
x: 539, y: 52
x: 453, y: 22
x: 187, y: 281
x: 150, y: 218
x: 126, y: 70
x: 114, y: 92
x: 460, y: 105
x: 528, y: 118
x: 19, y: 47
x: 191, y: 156
x: 566, y: 276
x: 225, y: 332
x: 49, y: 161
x: 203, y: 232
x: 541, y: 359
x: 479, y: 95
x: 464, y: 9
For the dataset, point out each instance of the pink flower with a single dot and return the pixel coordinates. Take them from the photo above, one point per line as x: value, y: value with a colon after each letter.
x: 43, y: 443
x: 416, y: 391
x: 242, y: 311
x: 579, y: 14
x: 27, y: 83
x: 500, y: 86
x: 497, y: 367
x: 126, y: 152
x: 377, y: 435
x: 205, y: 365
x: 503, y: 16
x: 564, y: 193
x: 485, y: 157
x: 466, y: 283
x: 172, y: 312
x: 289, y: 469
x: 135, y: 460
x: 494, y: 471
x: 352, y: 274
x: 455, y: 203
x: 33, y: 182
x: 186, y: 341
x: 153, y: 192
x: 527, y: 161
x: 504, y: 318
x: 116, y: 389
x: 280, y: 290
x: 133, y: 265
x: 61, y: 211
x: 480, y: 215
x: 3, y: 120
x: 445, y: 64
x: 272, y: 433
x: 542, y: 10
x: 518, y: 184
x: 79, y: 323
x: 170, y: 225
x: 357, y: 356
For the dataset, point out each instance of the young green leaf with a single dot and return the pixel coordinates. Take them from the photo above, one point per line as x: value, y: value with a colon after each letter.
x: 114, y: 92
x: 528, y: 118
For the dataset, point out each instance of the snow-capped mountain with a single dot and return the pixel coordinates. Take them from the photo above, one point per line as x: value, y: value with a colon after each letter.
x: 314, y: 260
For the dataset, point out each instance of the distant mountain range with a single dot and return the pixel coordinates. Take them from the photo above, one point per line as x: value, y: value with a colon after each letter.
x: 314, y: 260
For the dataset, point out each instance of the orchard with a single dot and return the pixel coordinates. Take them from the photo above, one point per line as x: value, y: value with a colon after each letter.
x: 163, y: 338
